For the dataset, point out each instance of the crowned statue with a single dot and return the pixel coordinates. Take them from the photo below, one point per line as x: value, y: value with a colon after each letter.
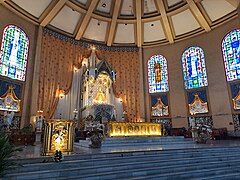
x: 8, y: 117
x: 100, y: 97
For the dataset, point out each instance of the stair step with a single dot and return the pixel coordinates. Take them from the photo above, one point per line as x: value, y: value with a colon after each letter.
x: 202, y: 163
x: 133, y: 154
x: 195, y: 174
x: 139, y: 155
x: 228, y: 176
x: 138, y: 159
x: 187, y: 172
x: 129, y: 167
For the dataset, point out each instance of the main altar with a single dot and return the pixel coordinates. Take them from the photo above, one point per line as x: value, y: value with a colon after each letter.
x: 99, y: 104
x: 101, y: 109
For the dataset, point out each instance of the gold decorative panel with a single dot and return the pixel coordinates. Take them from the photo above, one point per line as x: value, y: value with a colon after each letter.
x: 9, y: 101
x: 236, y: 102
x: 58, y: 135
x: 159, y: 109
x: 198, y: 106
x: 119, y: 129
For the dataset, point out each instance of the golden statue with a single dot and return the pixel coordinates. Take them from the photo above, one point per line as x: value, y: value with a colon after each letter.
x: 100, y: 97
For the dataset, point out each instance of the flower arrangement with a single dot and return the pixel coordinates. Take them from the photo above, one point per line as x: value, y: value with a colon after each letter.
x: 96, y: 139
x: 202, y: 132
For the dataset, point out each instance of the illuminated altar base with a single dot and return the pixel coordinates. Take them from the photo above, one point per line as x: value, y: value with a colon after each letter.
x: 58, y: 135
x: 122, y: 129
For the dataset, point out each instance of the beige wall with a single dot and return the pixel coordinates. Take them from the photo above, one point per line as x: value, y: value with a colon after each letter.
x: 219, y: 100
x: 210, y: 42
x: 7, y: 17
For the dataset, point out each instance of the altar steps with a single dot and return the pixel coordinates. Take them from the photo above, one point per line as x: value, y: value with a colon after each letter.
x: 122, y: 142
x: 123, y: 158
x: 203, y: 163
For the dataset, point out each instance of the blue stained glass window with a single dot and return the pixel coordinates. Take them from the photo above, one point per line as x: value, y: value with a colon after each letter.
x: 231, y: 55
x: 14, y: 53
x: 157, y: 74
x: 194, y: 68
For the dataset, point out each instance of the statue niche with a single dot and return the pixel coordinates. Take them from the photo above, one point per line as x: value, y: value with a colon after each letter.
x: 98, y: 99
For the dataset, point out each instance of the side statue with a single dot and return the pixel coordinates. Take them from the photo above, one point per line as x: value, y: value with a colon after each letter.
x: 8, y: 117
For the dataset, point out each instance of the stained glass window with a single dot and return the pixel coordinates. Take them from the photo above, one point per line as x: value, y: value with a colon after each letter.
x: 194, y: 68
x: 231, y: 55
x: 14, y: 53
x: 157, y: 74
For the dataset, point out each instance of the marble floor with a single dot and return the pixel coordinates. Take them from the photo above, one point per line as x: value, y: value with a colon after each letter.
x: 35, y: 151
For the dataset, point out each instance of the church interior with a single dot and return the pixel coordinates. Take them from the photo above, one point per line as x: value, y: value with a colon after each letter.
x: 88, y: 77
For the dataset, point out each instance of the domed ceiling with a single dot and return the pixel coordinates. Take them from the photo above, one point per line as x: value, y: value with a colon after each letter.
x: 127, y: 22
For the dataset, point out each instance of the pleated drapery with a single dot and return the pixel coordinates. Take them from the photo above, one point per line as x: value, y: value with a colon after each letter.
x: 59, y: 55
x: 58, y: 58
x: 127, y: 85
x: 70, y: 102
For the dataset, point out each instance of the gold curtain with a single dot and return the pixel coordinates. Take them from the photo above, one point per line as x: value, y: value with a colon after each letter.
x: 127, y: 82
x: 58, y: 58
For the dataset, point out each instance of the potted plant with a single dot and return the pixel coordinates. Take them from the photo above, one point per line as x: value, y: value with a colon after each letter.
x: 96, y: 139
x: 202, y: 133
x: 7, y: 150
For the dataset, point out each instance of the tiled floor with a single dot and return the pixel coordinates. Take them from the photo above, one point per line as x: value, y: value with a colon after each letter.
x: 35, y: 151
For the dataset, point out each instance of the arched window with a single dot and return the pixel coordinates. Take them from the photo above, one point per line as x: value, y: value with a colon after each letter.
x: 231, y: 55
x: 194, y: 68
x: 14, y: 53
x: 157, y: 74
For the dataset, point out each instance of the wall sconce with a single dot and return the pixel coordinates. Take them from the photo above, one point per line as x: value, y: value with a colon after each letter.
x: 120, y: 99
x: 39, y: 113
x: 93, y: 48
x: 75, y: 69
x: 61, y: 94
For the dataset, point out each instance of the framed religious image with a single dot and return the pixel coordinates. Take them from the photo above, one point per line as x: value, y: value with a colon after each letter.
x: 159, y: 105
x: 197, y: 102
